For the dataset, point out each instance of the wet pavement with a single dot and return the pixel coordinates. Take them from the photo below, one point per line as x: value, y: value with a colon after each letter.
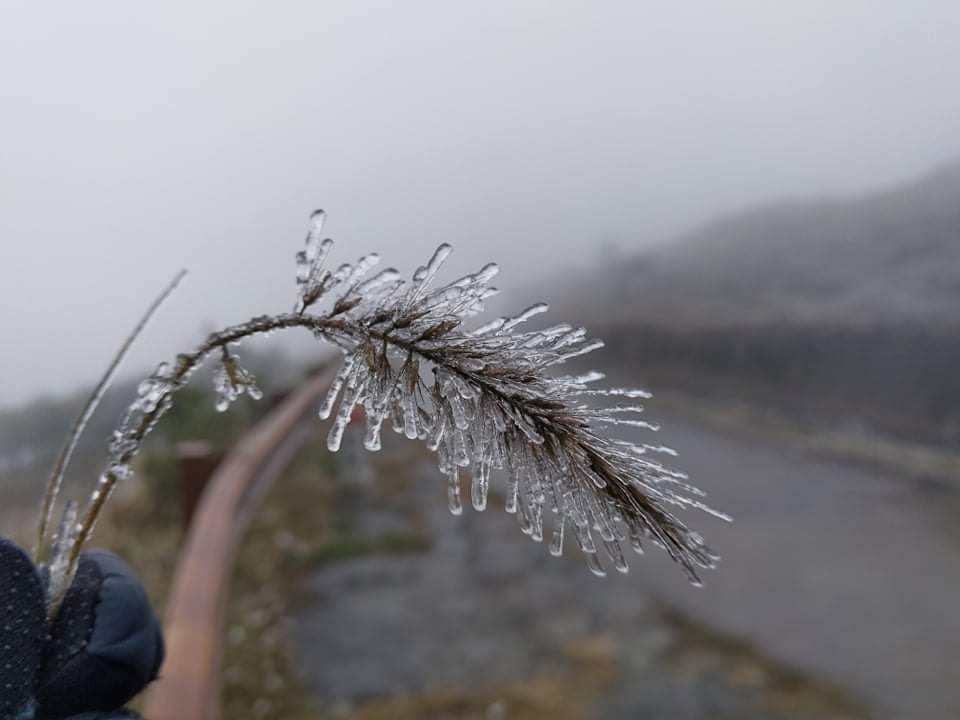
x: 846, y: 571
x: 486, y: 608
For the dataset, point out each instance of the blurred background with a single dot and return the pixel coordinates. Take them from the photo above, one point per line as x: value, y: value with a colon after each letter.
x: 756, y: 204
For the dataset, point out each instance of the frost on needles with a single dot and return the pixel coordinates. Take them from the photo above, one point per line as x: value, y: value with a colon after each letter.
x: 489, y: 398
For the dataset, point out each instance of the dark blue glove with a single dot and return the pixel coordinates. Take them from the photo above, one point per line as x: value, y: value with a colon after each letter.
x: 104, y: 647
x: 22, y: 631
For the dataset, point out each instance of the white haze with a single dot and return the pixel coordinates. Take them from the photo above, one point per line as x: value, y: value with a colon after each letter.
x: 137, y: 139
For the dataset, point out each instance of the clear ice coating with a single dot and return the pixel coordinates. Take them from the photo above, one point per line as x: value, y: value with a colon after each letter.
x: 59, y: 565
x: 484, y: 397
x: 310, y: 272
x: 487, y: 402
x: 230, y: 381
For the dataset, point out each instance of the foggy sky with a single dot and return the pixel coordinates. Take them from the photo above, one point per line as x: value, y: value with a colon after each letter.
x: 135, y: 141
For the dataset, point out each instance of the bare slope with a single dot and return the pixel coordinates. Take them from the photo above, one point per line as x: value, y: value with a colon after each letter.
x: 840, y: 308
x: 886, y: 258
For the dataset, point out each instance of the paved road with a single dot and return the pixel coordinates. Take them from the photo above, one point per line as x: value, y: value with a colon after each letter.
x: 846, y: 571
x: 496, y: 627
x: 850, y: 574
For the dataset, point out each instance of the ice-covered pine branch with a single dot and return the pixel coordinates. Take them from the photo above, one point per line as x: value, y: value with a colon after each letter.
x: 484, y: 399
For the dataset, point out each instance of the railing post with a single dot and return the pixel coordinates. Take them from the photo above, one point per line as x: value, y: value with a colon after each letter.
x: 196, y: 463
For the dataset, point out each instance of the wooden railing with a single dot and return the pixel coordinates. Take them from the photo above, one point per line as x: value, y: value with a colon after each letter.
x: 190, y: 680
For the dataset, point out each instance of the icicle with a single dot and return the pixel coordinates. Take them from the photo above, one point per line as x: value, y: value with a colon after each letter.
x: 623, y: 409
x: 489, y: 327
x: 583, y: 350
x: 616, y: 555
x: 487, y: 273
x: 327, y: 406
x: 636, y: 540
x: 513, y: 488
x: 230, y: 382
x: 425, y: 274
x: 523, y: 517
x: 662, y: 449
x: 585, y: 379
x: 459, y: 411
x: 464, y: 388
x: 624, y: 392
x: 530, y: 312
x: 593, y: 563
x: 536, y: 520
x: 363, y: 266
x: 314, y: 250
x: 381, y: 278
x: 310, y: 273
x: 371, y: 440
x: 461, y: 455
x: 527, y: 428
x: 335, y: 437
x: 540, y: 337
x: 396, y: 416
x: 499, y: 422
x: 584, y: 539
x: 571, y: 338
x: 480, y: 486
x: 314, y: 238
x: 453, y: 491
x: 556, y: 543
x: 351, y: 396
x: 409, y: 417
x: 631, y: 423
x: 436, y: 433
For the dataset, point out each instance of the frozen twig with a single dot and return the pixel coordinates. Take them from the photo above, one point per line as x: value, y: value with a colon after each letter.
x: 484, y: 400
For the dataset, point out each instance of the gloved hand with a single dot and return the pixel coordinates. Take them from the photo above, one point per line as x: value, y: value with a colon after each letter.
x: 22, y: 631
x: 104, y: 647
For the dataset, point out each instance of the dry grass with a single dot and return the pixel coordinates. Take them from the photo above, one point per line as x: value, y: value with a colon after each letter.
x: 591, y: 668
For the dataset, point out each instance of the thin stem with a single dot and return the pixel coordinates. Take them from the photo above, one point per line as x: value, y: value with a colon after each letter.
x: 55, y: 480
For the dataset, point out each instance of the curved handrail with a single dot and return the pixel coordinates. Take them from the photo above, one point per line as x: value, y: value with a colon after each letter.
x: 190, y: 681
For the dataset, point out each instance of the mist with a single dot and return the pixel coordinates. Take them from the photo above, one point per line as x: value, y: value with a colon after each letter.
x: 539, y: 135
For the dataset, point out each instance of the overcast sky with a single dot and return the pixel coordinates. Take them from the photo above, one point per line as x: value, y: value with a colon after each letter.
x: 135, y: 140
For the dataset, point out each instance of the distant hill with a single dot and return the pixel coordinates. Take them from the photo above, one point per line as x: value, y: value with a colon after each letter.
x: 886, y: 258
x: 842, y: 307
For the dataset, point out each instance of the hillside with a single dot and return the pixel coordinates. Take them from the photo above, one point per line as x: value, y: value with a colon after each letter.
x: 847, y: 308
x: 886, y: 258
